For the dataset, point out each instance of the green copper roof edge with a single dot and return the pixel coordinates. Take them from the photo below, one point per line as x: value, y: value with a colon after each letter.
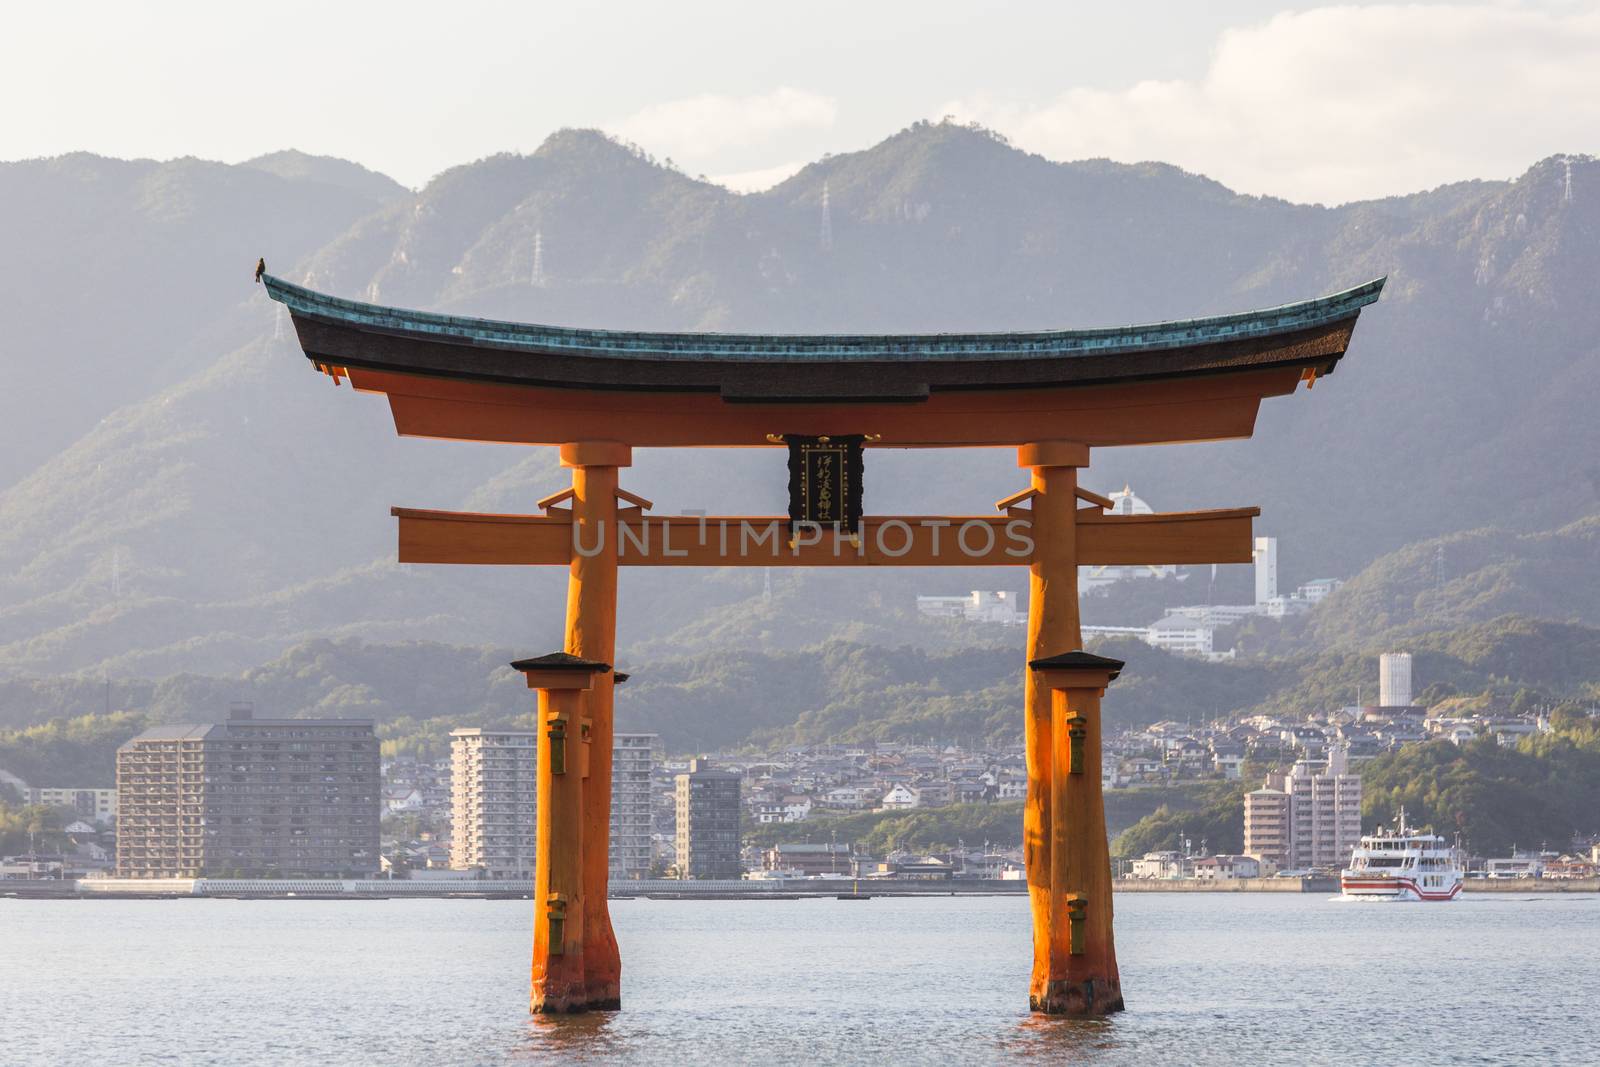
x: 1180, y: 333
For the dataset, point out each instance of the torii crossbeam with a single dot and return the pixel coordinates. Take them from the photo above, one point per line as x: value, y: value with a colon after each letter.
x: 1053, y: 396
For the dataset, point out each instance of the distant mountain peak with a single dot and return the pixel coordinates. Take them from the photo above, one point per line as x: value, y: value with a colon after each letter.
x: 573, y: 144
x: 295, y: 165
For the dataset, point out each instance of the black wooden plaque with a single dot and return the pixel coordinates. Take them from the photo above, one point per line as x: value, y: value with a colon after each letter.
x: 825, y: 482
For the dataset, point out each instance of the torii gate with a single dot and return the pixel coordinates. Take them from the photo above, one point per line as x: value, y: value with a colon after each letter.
x: 1054, y: 396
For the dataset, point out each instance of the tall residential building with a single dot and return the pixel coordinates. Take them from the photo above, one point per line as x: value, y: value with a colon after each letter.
x: 1266, y: 560
x: 263, y: 798
x: 97, y: 804
x: 493, y: 801
x: 708, y: 822
x: 1310, y: 817
x: 1266, y: 826
x: 1394, y: 680
x: 633, y: 765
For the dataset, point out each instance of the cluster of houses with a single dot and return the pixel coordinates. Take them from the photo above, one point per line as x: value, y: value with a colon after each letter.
x: 802, y: 781
x: 1169, y: 751
x: 1173, y: 865
x: 791, y: 860
x: 420, y: 788
x: 81, y: 849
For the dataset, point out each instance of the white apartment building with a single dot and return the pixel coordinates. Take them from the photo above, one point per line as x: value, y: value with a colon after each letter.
x: 1310, y: 817
x: 1266, y: 825
x: 1181, y: 634
x: 633, y: 769
x: 99, y: 805
x: 493, y: 801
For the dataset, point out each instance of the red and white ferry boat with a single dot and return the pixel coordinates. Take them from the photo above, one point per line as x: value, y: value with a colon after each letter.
x: 1403, y: 864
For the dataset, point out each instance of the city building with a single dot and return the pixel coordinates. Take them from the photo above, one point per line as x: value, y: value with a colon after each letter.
x: 707, y: 802
x: 1003, y: 606
x: 1226, y: 868
x: 1394, y: 680
x: 1266, y: 826
x: 1310, y: 817
x: 97, y: 804
x: 900, y: 797
x: 1266, y: 567
x: 1517, y: 865
x: 1317, y: 590
x: 633, y: 767
x: 265, y: 798
x: 807, y: 859
x: 1123, y: 502
x: 1181, y: 634
x: 1160, y: 865
x: 493, y: 801
x: 1187, y: 631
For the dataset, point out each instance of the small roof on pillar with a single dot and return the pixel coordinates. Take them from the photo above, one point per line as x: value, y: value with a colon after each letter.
x: 1077, y: 660
x: 560, y: 661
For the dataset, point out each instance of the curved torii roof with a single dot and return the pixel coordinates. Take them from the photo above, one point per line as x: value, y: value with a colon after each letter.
x: 455, y: 376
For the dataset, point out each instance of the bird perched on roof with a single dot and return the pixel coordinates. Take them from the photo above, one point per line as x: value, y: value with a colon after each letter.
x: 261, y: 267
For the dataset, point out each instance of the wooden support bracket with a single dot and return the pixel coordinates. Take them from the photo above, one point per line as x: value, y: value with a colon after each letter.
x: 1012, y: 505
x: 1105, y: 503
x: 334, y: 372
x: 640, y: 504
x: 550, y: 502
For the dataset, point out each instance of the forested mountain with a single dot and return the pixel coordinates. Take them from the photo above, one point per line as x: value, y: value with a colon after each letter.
x: 179, y: 494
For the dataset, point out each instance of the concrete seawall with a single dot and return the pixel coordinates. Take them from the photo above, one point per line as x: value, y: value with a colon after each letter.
x: 383, y: 889
x: 1234, y: 885
x: 375, y: 889
x: 1532, y: 885
x: 1331, y: 885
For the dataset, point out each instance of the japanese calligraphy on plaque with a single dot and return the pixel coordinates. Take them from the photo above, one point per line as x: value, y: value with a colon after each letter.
x: 825, y: 482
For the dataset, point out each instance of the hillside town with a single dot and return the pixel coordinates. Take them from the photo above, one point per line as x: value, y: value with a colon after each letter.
x: 1183, y: 629
x: 472, y: 816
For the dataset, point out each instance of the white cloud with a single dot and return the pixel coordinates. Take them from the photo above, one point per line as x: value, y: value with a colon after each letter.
x: 755, y: 181
x: 1343, y: 103
x: 698, y: 126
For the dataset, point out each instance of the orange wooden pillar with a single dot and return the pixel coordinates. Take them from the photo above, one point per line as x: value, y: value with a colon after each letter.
x: 1053, y: 625
x: 1083, y: 978
x: 592, y: 634
x: 561, y: 902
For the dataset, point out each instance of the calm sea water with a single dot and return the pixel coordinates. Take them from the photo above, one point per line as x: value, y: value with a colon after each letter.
x: 1208, y: 979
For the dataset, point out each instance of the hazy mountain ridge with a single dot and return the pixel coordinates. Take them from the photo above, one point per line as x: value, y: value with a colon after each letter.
x: 119, y: 276
x: 295, y: 165
x: 1464, y: 578
x: 234, y: 504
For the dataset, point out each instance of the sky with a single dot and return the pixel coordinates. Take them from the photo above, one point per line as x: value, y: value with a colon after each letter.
x: 1314, y: 103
